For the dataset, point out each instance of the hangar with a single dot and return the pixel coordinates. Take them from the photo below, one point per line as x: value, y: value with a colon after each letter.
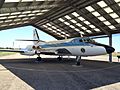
x: 63, y: 18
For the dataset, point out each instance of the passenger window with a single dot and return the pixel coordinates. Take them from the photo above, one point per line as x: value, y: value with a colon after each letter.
x: 89, y: 40
x: 85, y: 40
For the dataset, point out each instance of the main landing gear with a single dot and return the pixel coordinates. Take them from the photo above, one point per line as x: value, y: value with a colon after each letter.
x: 60, y: 58
x: 78, y: 59
x: 39, y: 58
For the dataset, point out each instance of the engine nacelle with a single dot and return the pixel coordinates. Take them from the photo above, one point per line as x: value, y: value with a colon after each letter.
x: 36, y: 47
x: 33, y: 47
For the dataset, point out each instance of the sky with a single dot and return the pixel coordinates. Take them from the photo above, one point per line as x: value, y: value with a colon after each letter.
x: 115, y: 41
x: 8, y: 37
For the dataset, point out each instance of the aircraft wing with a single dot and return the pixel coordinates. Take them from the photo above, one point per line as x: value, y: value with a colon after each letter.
x: 48, y: 52
x: 61, y: 51
x: 11, y: 50
x: 29, y: 40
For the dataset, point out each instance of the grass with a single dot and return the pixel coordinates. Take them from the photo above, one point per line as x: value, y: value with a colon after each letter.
x: 6, y: 53
x: 115, y: 54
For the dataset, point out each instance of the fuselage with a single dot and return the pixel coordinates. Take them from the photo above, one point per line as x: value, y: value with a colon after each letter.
x: 77, y: 47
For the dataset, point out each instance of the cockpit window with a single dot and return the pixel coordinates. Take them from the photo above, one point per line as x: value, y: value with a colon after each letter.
x: 80, y: 40
x: 85, y: 40
x: 88, y: 40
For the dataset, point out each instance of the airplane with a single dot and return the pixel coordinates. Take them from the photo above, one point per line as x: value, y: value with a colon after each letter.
x: 78, y: 46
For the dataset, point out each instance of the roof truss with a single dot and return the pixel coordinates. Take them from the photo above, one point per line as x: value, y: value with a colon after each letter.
x: 63, y: 18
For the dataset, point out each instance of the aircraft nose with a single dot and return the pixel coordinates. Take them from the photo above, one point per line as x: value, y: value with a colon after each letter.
x: 109, y: 49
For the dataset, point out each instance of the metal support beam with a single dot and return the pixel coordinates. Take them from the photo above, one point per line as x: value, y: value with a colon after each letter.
x: 25, y: 8
x: 110, y: 44
x: 38, y: 27
x: 1, y: 3
x: 63, y: 29
x: 66, y: 9
x: 79, y: 12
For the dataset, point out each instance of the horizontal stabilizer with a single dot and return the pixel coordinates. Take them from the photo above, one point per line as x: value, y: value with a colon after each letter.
x: 30, y: 40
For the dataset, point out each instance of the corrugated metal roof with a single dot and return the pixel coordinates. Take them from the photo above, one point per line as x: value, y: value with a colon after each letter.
x: 63, y: 18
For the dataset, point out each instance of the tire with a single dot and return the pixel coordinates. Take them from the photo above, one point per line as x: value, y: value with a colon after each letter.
x: 39, y: 58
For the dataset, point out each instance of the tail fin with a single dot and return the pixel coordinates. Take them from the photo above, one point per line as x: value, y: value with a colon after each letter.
x: 35, y: 37
x: 35, y: 40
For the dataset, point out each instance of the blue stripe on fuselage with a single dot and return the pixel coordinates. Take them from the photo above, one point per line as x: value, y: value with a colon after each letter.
x: 65, y: 44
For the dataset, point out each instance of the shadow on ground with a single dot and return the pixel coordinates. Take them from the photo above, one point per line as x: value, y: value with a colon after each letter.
x: 52, y: 74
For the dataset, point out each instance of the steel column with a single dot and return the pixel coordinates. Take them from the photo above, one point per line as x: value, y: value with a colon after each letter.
x: 1, y: 3
x: 110, y: 44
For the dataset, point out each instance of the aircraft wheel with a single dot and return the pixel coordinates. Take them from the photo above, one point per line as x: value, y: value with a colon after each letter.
x: 59, y: 58
x: 39, y: 58
x: 78, y: 63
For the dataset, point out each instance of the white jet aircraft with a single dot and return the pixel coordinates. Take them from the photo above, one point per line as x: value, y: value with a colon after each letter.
x: 79, y: 46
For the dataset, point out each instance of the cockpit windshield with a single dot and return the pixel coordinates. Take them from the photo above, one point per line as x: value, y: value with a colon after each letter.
x: 88, y: 40
x: 83, y: 40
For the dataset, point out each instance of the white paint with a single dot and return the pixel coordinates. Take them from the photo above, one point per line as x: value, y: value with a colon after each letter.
x: 76, y: 50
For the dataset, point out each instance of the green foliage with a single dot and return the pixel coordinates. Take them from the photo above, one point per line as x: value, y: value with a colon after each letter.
x: 1, y: 48
x: 115, y: 54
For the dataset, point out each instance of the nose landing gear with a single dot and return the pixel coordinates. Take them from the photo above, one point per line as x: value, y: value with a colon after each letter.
x: 39, y: 58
